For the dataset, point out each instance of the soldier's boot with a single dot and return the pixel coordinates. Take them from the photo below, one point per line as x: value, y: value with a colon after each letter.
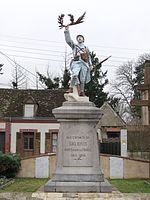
x: 82, y: 94
x: 78, y: 89
x: 70, y: 90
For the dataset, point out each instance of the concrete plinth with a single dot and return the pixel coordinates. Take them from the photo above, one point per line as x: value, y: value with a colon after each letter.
x: 78, y: 164
x: 54, y: 186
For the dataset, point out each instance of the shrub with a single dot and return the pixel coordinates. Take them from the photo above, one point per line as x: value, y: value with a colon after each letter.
x: 9, y: 164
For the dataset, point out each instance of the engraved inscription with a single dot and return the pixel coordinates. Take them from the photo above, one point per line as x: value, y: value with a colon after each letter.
x: 77, y: 150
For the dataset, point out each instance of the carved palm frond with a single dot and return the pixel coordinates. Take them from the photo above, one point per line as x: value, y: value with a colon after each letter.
x: 79, y: 20
x: 72, y: 22
x: 61, y: 21
x: 71, y: 18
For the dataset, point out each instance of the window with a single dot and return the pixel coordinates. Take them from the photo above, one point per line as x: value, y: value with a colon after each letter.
x: 28, y: 141
x: 29, y: 110
x: 113, y: 134
x: 54, y: 141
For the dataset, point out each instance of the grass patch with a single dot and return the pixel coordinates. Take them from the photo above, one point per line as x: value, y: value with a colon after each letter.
x: 123, y: 185
x: 131, y: 185
x: 25, y: 185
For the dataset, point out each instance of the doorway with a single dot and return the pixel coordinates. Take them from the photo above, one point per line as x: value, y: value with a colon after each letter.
x: 2, y: 142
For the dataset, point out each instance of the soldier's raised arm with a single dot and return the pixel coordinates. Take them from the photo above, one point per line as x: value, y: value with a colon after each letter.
x: 68, y: 37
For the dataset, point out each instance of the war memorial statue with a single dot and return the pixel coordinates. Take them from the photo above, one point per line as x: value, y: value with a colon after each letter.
x: 78, y: 160
x: 81, y: 63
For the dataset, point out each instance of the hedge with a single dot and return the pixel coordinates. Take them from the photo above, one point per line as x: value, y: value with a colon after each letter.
x: 9, y: 164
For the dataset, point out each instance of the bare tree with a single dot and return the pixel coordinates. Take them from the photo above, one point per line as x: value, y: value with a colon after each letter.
x: 128, y: 76
x: 139, y: 68
x: 123, y: 88
x: 19, y: 77
x: 49, y: 81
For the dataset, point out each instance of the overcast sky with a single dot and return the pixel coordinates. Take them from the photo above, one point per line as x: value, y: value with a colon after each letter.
x: 29, y: 33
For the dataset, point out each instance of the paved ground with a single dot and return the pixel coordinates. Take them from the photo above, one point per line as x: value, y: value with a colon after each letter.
x: 92, y: 196
x: 40, y: 195
x: 115, y: 195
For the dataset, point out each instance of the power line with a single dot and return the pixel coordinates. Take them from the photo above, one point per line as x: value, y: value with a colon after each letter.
x: 44, y: 54
x: 26, y: 38
x: 9, y: 59
x: 55, y: 55
x: 36, y: 58
x: 113, y: 51
x: 118, y: 57
x: 29, y: 43
x: 31, y: 48
x: 16, y: 63
x: 46, y: 50
x: 48, y: 54
x: 94, y: 45
x: 113, y: 61
x: 120, y: 48
x: 46, y: 58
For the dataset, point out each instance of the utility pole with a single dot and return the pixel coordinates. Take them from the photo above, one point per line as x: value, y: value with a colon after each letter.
x: 65, y: 57
x: 37, y: 81
x: 1, y: 65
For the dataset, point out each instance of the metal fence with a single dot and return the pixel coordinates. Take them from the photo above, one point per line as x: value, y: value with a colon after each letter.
x: 111, y: 146
x: 139, y: 141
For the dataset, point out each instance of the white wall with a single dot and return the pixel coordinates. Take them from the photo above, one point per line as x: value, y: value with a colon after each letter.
x: 42, y: 167
x: 2, y: 125
x: 116, y: 167
x: 41, y: 127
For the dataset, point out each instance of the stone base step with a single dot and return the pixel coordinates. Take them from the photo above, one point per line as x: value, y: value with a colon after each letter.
x: 76, y: 187
x: 79, y: 196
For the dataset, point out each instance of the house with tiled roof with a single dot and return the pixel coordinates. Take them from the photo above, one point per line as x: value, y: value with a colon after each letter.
x: 27, y: 125
x: 112, y: 132
x: 110, y: 123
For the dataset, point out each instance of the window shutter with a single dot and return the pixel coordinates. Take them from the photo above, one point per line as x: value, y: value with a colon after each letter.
x: 19, y: 143
x: 37, y: 143
x: 48, y: 142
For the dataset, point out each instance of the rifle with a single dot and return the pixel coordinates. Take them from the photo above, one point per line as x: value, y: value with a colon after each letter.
x: 104, y: 59
x: 101, y: 62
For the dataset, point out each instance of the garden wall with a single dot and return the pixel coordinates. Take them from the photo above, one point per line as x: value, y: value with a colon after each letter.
x: 112, y: 167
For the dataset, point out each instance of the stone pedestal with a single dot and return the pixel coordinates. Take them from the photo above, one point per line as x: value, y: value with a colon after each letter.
x: 78, y: 164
